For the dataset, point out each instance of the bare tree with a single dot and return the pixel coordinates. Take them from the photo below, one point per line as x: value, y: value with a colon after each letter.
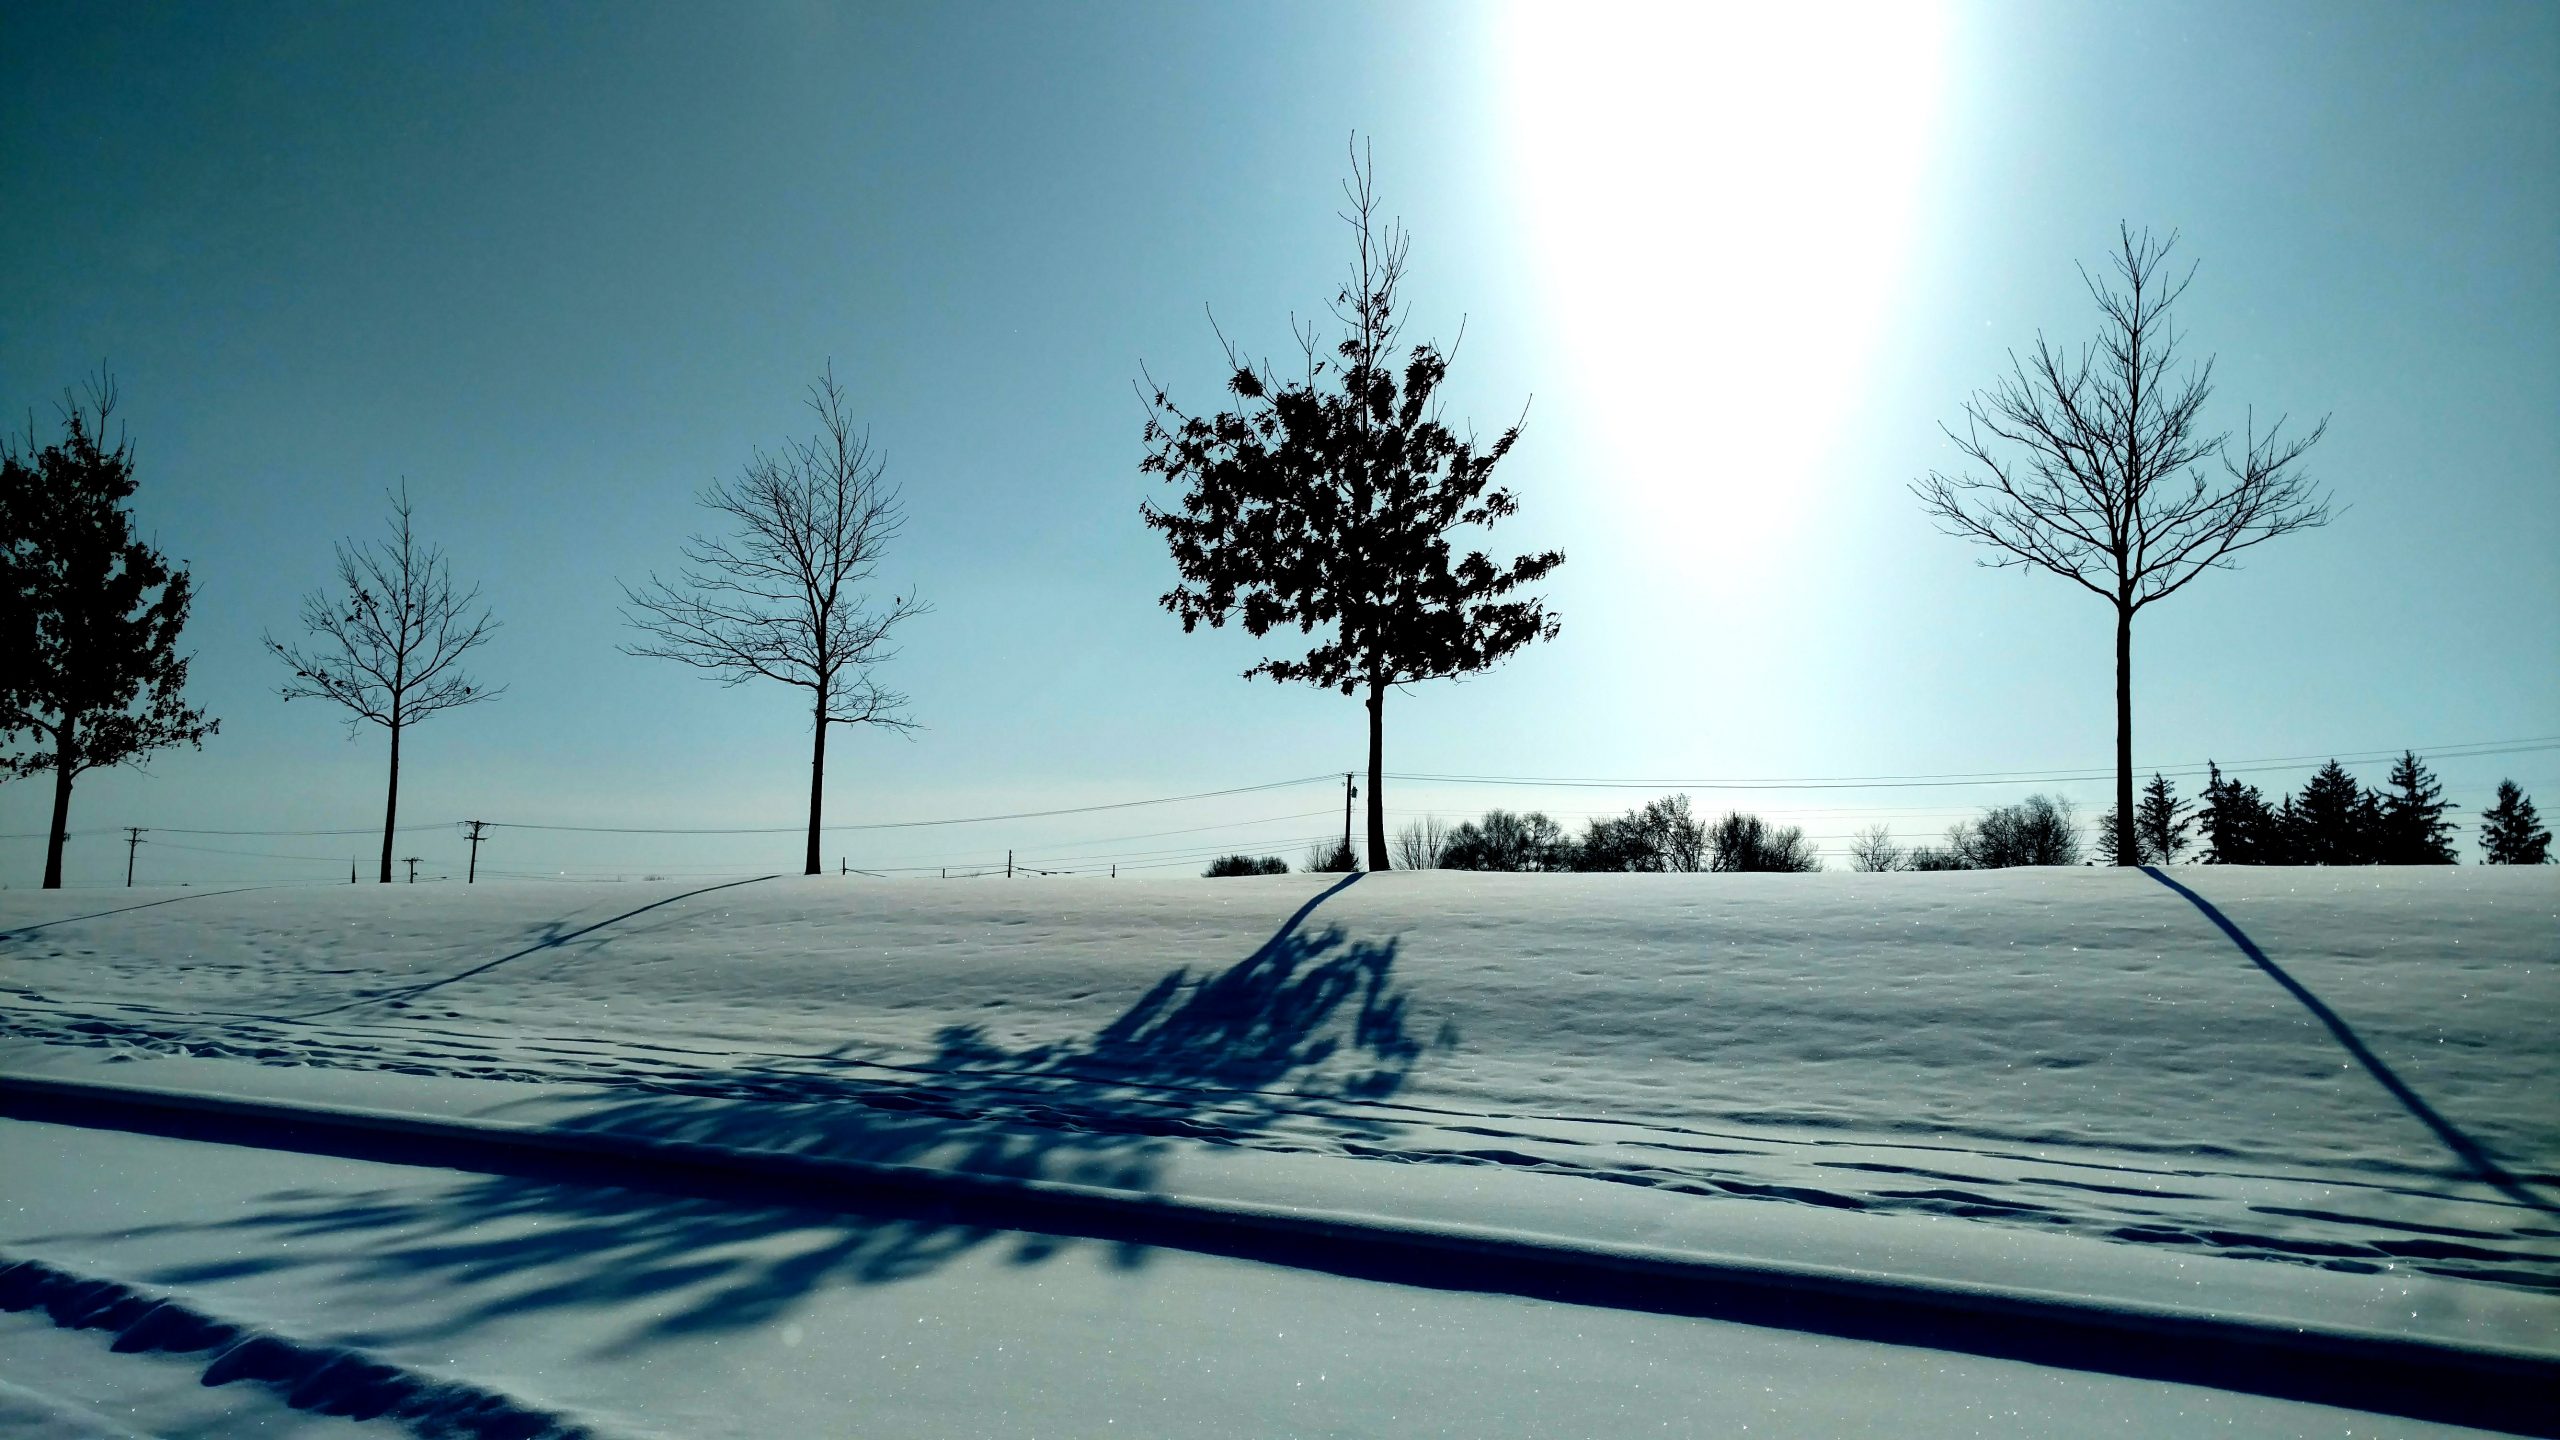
x: 2095, y: 466
x: 391, y: 638
x: 1420, y: 844
x: 783, y: 598
x: 1873, y: 849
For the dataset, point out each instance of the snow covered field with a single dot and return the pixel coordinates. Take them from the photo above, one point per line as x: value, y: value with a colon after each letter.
x: 2071, y: 1082
x: 2078, y: 1052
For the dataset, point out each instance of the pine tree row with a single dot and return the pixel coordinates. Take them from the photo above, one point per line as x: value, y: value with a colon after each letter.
x: 2333, y: 821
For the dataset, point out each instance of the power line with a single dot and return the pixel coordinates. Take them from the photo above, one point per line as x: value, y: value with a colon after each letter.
x: 1955, y: 778
x: 918, y: 824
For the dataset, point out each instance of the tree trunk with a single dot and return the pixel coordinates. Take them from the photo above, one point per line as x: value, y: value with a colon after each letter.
x: 1377, y: 776
x: 2128, y: 847
x: 391, y: 804
x: 817, y: 786
x: 66, y: 747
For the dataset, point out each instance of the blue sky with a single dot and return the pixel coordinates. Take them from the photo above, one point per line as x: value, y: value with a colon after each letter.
x: 560, y: 266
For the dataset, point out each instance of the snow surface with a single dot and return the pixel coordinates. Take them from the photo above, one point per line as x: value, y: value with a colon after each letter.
x: 2078, y: 1053
x: 622, y: 1312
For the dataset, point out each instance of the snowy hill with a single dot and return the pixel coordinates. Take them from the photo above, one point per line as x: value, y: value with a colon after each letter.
x: 2082, y: 1053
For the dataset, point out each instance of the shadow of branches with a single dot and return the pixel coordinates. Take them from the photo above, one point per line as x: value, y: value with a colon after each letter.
x: 1309, y: 1019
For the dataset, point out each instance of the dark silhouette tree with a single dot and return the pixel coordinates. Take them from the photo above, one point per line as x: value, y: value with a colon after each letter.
x: 1330, y: 857
x: 2162, y: 821
x: 2411, y: 828
x: 1420, y: 843
x: 1872, y: 849
x: 387, y: 643
x: 2093, y: 466
x: 2238, y: 827
x: 1508, y: 842
x: 2038, y: 830
x: 2288, y: 835
x: 2334, y: 822
x: 2511, y: 833
x: 2104, y: 840
x: 1658, y: 836
x: 1744, y: 842
x: 784, y: 598
x: 1332, y: 500
x: 1228, y: 866
x: 89, y: 615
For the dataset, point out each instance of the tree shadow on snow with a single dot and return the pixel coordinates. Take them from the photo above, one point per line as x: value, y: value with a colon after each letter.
x: 1310, y: 1021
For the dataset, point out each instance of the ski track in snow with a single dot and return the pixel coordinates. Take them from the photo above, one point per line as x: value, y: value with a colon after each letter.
x: 2065, y: 1052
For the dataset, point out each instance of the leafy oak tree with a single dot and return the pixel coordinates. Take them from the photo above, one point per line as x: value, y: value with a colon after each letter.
x: 90, y: 674
x: 1334, y: 500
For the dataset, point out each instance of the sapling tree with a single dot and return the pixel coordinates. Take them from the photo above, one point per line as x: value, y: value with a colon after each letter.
x: 90, y: 674
x: 1335, y: 501
x: 785, y: 596
x: 386, y: 643
x: 2096, y: 465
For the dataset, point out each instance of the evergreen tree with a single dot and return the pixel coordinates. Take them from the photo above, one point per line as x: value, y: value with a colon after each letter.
x: 2336, y: 821
x: 2106, y: 844
x: 2161, y: 822
x: 2287, y: 844
x: 2510, y: 831
x: 91, y: 615
x: 2238, y: 827
x: 2412, y: 829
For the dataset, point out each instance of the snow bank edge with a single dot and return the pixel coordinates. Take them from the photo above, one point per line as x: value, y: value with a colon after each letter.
x: 330, y: 1379
x: 2472, y: 1384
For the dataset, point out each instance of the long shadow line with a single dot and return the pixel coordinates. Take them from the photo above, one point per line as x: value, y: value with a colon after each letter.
x: 547, y: 942
x: 2471, y: 1152
x: 1290, y: 926
x: 26, y: 930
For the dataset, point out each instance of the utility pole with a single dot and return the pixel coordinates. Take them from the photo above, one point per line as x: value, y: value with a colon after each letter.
x: 1348, y: 795
x: 1008, y: 864
x: 351, y: 869
x: 412, y: 862
x: 475, y: 837
x: 132, y: 838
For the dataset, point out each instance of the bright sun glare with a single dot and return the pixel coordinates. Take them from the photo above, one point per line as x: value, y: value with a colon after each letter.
x: 1720, y: 198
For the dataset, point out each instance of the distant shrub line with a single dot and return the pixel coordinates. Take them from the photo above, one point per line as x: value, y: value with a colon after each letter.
x: 2333, y: 821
